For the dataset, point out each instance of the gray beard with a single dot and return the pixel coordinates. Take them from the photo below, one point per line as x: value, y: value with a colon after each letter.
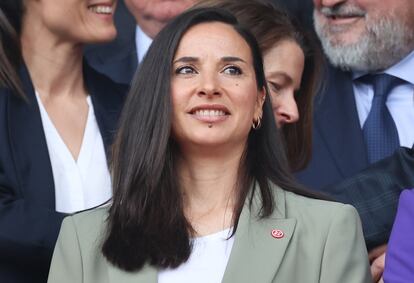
x: 384, y: 43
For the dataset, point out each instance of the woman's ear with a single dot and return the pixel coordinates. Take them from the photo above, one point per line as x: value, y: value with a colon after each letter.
x: 261, y: 97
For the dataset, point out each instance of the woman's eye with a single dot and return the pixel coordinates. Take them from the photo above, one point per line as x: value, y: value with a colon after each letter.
x: 232, y: 70
x: 274, y: 87
x: 185, y: 70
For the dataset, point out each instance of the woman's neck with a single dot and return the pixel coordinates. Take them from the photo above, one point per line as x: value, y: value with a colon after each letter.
x: 55, y: 66
x: 209, y: 189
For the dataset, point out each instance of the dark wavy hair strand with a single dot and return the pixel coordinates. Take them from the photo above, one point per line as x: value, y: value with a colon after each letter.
x: 11, y: 13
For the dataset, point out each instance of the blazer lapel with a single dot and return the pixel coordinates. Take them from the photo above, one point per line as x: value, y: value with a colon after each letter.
x: 256, y: 253
x: 336, y: 119
x: 29, y: 146
x: 146, y: 275
x: 107, y: 99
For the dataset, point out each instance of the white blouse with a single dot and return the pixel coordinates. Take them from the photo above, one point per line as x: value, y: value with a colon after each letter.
x: 83, y: 183
x: 207, y: 262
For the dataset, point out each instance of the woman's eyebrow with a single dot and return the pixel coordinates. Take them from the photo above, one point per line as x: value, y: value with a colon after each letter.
x: 191, y: 59
x: 186, y: 59
x: 232, y: 59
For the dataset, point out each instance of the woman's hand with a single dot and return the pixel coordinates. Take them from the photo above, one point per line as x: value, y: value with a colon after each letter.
x: 377, y: 260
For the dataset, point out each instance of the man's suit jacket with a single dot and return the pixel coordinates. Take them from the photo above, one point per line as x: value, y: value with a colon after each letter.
x: 374, y: 192
x: 322, y: 243
x: 29, y: 224
x: 339, y: 164
x: 118, y: 59
x: 338, y: 147
x: 399, y: 260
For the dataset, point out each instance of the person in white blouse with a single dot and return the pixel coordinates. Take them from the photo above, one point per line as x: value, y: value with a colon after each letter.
x: 57, y: 119
x: 202, y: 189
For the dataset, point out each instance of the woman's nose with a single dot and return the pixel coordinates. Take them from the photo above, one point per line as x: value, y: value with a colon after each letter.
x: 209, y: 85
x: 286, y: 110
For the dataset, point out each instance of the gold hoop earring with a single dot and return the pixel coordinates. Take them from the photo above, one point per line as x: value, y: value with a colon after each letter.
x: 256, y: 124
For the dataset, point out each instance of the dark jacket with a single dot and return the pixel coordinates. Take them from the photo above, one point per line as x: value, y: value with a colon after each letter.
x: 29, y: 224
x: 339, y: 164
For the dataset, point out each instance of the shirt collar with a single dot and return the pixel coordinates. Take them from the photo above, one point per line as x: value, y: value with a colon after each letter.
x: 403, y: 70
x: 142, y: 43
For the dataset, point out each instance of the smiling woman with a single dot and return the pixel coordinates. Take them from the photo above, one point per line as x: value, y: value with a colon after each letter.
x: 219, y: 70
x: 80, y: 21
x: 202, y: 189
x: 57, y: 117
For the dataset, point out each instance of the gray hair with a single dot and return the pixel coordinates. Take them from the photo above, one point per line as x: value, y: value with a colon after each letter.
x: 385, y: 41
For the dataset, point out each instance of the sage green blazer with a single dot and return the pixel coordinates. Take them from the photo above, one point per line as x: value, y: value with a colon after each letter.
x: 322, y: 242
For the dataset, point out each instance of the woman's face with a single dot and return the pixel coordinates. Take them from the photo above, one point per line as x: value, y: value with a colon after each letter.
x: 283, y: 66
x: 213, y: 87
x: 83, y: 21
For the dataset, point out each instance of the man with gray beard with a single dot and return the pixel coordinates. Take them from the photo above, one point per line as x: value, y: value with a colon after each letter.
x: 383, y: 42
x: 370, y: 47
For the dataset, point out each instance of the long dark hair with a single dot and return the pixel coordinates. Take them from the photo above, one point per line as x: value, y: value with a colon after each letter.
x: 146, y: 222
x: 271, y: 24
x: 11, y: 13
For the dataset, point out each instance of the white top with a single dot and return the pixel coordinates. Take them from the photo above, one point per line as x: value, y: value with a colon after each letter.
x: 142, y: 43
x: 207, y: 262
x: 400, y: 101
x: 80, y: 184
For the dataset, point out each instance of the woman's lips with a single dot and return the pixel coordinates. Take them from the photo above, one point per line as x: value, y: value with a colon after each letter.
x: 102, y: 9
x: 210, y: 113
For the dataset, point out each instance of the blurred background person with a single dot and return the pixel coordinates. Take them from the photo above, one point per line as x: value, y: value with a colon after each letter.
x: 57, y: 118
x: 137, y: 22
x: 365, y: 112
x: 361, y: 38
x: 202, y: 189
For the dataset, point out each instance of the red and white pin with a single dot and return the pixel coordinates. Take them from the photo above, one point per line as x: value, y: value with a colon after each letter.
x: 277, y: 234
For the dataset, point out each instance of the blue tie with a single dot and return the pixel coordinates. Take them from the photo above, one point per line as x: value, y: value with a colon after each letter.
x: 380, y: 132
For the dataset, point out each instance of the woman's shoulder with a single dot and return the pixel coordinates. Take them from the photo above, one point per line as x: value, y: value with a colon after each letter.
x: 317, y: 211
x: 327, y: 232
x: 313, y: 203
x: 96, y: 215
x: 77, y: 252
x: 88, y: 225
